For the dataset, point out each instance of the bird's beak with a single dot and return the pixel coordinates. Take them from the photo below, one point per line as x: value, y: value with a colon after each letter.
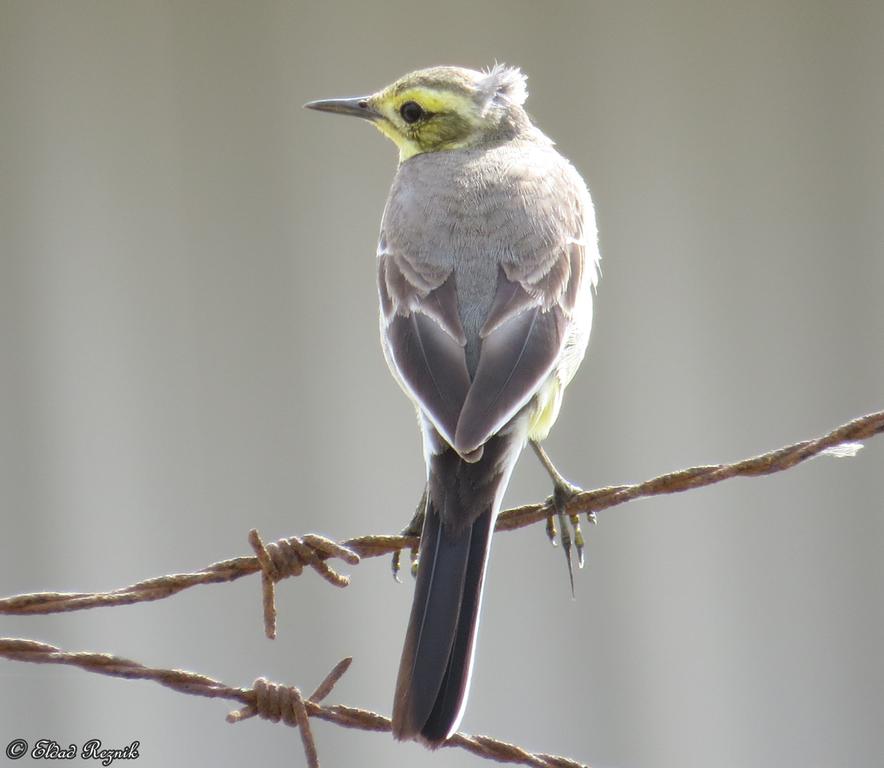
x: 359, y: 106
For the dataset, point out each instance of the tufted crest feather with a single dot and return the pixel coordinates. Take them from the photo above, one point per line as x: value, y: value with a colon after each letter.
x: 506, y: 82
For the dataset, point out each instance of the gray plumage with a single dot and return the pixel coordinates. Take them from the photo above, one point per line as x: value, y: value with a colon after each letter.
x: 473, y: 244
x: 486, y: 259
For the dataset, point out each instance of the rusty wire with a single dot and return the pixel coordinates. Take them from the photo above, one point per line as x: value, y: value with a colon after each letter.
x: 289, y: 557
x: 270, y: 701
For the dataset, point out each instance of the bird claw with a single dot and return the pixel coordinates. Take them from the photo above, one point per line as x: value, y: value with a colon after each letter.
x: 551, y: 530
x: 414, y: 528
x: 395, y: 567
x: 570, y: 533
x: 563, y: 492
x: 578, y: 539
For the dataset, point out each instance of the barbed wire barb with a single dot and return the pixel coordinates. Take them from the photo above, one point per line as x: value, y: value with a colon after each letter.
x: 270, y: 701
x: 288, y: 557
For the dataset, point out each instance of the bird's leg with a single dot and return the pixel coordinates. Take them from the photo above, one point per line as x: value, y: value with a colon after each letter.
x: 563, y: 492
x: 413, y: 528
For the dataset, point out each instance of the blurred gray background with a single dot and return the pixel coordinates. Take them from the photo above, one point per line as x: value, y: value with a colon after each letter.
x: 173, y: 372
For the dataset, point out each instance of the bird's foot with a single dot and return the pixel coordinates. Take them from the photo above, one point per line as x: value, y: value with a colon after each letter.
x: 414, y: 528
x: 568, y: 530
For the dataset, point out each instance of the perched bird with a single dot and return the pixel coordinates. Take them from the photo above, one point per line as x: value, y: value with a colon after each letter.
x: 486, y: 262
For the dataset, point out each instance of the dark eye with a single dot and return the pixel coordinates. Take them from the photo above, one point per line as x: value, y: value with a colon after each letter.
x: 411, y: 111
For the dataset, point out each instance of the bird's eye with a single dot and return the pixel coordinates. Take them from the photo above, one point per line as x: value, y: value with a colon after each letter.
x: 411, y: 111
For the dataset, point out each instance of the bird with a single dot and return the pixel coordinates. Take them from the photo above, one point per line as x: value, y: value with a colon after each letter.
x: 487, y: 261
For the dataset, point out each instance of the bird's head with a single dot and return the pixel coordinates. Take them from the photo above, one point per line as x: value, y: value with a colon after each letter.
x: 442, y: 108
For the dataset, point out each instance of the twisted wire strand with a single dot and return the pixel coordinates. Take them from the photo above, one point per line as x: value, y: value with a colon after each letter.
x: 270, y: 701
x: 288, y: 557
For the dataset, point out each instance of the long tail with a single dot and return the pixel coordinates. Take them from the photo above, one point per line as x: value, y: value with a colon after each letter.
x: 463, y: 500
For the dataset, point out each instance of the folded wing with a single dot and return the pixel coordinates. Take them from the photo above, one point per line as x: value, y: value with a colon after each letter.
x: 521, y: 340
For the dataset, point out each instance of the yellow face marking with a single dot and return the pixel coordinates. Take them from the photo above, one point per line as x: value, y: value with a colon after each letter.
x: 439, y: 101
x: 453, y: 119
x: 407, y: 147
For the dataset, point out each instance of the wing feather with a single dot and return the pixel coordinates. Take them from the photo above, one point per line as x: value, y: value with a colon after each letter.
x: 470, y: 369
x: 425, y: 340
x: 515, y: 360
x: 432, y: 366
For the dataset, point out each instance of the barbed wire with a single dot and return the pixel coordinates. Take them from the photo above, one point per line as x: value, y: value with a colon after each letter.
x: 289, y: 557
x: 270, y: 701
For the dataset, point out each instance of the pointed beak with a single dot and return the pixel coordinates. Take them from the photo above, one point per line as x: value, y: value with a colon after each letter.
x: 358, y: 107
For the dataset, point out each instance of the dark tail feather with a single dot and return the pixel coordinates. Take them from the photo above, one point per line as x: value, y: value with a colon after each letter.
x: 455, y: 685
x: 434, y: 674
